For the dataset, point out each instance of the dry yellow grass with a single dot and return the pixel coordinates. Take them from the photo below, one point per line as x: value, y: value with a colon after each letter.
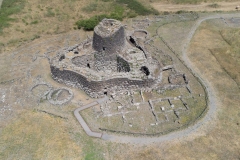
x: 36, y: 135
x: 42, y: 17
x: 209, y: 6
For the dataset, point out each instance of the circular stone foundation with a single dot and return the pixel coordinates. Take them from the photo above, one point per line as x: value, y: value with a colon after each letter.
x: 60, y: 96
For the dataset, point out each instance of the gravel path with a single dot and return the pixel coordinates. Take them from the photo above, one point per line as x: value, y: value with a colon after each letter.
x: 81, y: 120
x: 197, y: 127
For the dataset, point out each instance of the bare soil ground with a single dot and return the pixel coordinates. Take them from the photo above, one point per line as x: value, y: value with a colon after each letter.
x: 209, y: 7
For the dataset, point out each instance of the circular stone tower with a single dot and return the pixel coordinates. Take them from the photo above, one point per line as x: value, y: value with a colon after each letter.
x: 109, y: 36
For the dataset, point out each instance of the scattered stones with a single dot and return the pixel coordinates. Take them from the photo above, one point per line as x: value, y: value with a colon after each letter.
x: 42, y: 95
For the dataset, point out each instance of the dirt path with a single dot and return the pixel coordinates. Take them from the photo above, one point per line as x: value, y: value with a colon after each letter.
x: 221, y: 6
x: 213, y: 102
x: 81, y: 120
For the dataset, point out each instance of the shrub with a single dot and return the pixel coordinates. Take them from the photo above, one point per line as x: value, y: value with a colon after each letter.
x: 166, y: 13
x: 119, y: 12
x: 35, y: 37
x: 34, y: 22
x: 50, y: 13
x: 181, y: 11
x: 89, y: 24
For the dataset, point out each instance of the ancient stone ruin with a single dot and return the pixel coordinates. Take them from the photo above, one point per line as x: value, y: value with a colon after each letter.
x: 112, y: 61
x: 149, y: 90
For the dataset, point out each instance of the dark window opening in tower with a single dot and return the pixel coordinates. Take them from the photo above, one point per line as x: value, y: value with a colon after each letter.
x: 62, y: 57
x: 76, y: 52
x: 88, y: 65
x: 104, y: 48
x: 132, y: 40
x: 145, y: 70
x: 105, y: 93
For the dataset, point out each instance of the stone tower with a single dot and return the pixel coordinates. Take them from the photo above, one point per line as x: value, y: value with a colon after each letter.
x: 109, y: 37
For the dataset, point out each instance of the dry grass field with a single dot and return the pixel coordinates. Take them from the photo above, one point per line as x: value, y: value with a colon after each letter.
x: 202, y: 7
x: 35, y: 135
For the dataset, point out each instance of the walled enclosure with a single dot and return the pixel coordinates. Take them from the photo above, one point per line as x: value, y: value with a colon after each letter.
x: 107, y: 64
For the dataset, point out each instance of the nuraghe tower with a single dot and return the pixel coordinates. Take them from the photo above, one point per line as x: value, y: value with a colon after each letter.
x: 114, y: 60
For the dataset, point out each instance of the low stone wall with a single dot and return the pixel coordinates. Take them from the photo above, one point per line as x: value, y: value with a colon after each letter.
x: 97, y: 89
x: 84, y: 61
x: 122, y: 65
x: 105, y: 62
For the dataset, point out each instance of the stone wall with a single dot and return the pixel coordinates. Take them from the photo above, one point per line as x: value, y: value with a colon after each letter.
x: 105, y: 62
x: 84, y: 61
x: 97, y: 89
x: 122, y: 65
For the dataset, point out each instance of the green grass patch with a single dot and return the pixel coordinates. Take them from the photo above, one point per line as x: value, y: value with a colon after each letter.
x: 34, y: 22
x: 181, y: 12
x: 92, y: 150
x: 137, y: 7
x: 90, y: 8
x: 89, y: 24
x: 49, y: 13
x: 9, y: 7
x: 122, y: 9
